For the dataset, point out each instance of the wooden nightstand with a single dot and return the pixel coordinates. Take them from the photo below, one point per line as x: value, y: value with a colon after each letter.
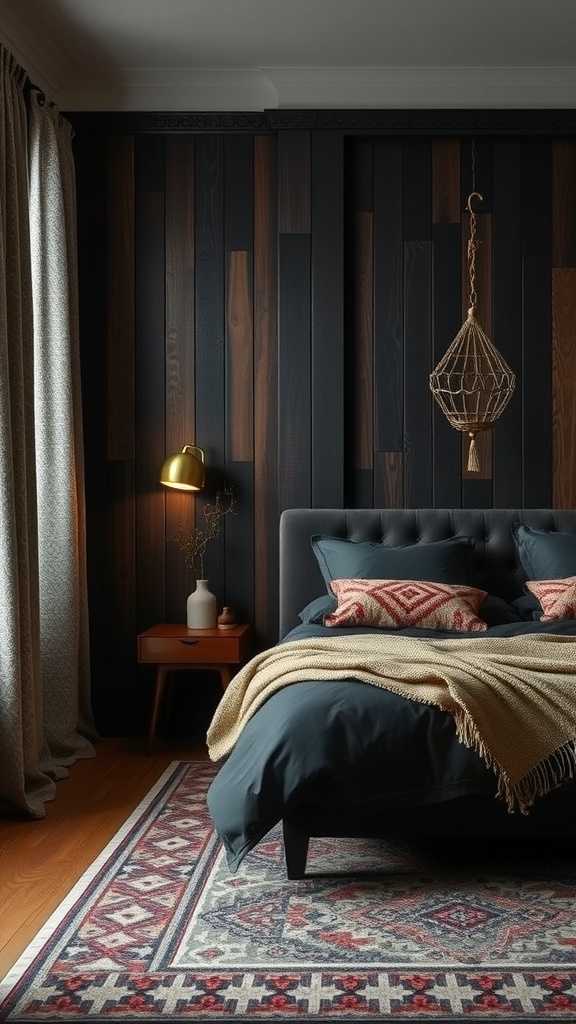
x: 173, y: 648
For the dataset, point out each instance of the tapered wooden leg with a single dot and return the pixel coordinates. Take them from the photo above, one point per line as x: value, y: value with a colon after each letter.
x: 161, y: 675
x: 225, y: 676
x: 295, y: 850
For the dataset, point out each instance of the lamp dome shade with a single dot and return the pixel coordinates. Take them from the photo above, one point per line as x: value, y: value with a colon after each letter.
x: 184, y: 470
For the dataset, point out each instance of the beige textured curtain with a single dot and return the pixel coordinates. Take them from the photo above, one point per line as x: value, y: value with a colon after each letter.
x: 44, y: 705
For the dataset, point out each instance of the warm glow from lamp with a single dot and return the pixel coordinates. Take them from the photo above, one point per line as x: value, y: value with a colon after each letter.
x: 184, y: 470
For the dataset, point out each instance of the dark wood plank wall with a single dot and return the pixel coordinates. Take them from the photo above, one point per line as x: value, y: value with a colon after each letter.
x: 407, y: 294
x: 280, y: 299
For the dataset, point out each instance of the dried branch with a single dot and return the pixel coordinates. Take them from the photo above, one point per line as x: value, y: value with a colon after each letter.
x: 194, y: 543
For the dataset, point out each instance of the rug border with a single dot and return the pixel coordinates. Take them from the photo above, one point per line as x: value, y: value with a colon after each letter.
x: 24, y: 961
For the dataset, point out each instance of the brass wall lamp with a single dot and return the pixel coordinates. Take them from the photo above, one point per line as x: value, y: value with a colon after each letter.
x: 184, y: 470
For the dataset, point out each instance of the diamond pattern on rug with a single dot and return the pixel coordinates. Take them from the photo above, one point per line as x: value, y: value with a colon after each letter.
x: 173, y: 936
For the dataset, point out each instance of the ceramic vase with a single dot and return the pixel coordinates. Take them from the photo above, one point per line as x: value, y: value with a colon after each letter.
x: 201, y: 607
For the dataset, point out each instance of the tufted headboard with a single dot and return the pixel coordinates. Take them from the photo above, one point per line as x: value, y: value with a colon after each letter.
x: 497, y: 569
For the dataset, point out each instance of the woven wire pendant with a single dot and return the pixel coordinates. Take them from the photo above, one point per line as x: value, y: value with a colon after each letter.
x: 472, y: 383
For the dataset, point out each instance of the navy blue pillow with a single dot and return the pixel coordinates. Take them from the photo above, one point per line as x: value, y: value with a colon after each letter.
x: 442, y: 561
x: 545, y: 555
x: 317, y: 609
x: 528, y: 607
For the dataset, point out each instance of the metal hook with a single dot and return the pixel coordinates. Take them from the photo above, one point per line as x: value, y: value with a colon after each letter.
x: 473, y: 195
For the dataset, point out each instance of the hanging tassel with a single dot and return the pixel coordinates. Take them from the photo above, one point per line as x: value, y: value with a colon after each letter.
x: 473, y: 463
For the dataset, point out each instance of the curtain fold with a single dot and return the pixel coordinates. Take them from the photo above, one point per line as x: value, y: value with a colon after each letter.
x: 44, y: 702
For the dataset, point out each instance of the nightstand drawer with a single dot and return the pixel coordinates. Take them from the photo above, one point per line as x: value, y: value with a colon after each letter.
x: 177, y: 650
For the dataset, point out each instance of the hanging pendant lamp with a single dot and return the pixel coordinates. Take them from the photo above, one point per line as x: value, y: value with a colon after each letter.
x: 472, y: 383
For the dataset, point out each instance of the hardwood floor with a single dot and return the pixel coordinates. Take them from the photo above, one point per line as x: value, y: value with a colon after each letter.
x: 41, y: 860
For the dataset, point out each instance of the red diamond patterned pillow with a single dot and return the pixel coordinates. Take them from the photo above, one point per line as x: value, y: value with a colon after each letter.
x: 395, y: 603
x: 557, y: 598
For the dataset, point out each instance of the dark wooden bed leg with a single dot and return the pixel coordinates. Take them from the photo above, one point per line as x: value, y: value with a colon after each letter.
x: 295, y: 850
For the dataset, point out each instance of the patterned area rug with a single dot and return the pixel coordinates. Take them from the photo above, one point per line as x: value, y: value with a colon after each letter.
x: 158, y: 929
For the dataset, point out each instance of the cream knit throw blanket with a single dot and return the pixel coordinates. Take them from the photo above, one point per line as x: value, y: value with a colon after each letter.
x: 513, y: 698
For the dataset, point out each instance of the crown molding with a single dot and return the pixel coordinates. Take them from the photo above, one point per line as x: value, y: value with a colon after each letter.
x: 426, y: 87
x: 228, y: 89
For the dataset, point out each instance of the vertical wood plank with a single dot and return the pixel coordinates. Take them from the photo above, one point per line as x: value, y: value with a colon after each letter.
x: 265, y: 391
x: 210, y: 335
x: 388, y: 479
x: 564, y: 375
x: 294, y: 397
x: 180, y: 357
x: 446, y: 323
x: 418, y: 357
x: 120, y: 299
x: 238, y: 233
x: 362, y: 362
x: 536, y: 373
x: 150, y: 368
x: 294, y: 182
x: 446, y: 201
x: 327, y: 365
x: 388, y: 297
x: 508, y: 302
x: 240, y: 368
x: 417, y: 188
x: 564, y: 200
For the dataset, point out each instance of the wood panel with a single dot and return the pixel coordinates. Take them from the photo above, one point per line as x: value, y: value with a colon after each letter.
x: 418, y: 485
x: 240, y: 362
x: 388, y: 479
x: 294, y: 183
x: 294, y: 391
x: 210, y: 335
x: 507, y: 323
x: 239, y: 372
x: 120, y: 299
x: 564, y: 375
x: 362, y: 364
x: 446, y: 201
x: 327, y: 366
x: 388, y: 297
x: 564, y: 200
x: 180, y: 387
x: 447, y: 318
x: 536, y: 370
x: 150, y: 367
x: 265, y: 391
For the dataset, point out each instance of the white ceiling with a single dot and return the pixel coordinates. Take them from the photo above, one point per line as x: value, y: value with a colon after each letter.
x: 249, y: 54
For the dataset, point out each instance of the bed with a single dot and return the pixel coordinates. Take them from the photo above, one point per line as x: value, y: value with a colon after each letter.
x: 344, y: 760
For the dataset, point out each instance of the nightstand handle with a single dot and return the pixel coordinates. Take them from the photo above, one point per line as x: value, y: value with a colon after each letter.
x: 189, y: 642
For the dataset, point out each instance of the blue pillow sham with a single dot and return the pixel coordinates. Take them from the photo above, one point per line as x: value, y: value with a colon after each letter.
x: 443, y: 561
x: 546, y: 555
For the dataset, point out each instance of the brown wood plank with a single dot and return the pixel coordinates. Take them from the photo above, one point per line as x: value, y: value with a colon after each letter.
x: 388, y: 479
x: 120, y: 299
x: 240, y: 359
x: 180, y: 361
x: 363, y: 343
x: 265, y: 392
x: 563, y: 391
x: 484, y: 290
x: 564, y: 204
x: 446, y: 200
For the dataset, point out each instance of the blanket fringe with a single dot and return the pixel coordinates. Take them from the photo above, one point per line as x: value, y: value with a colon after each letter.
x: 555, y: 770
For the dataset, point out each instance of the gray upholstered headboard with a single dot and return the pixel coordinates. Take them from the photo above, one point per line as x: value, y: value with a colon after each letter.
x: 497, y: 567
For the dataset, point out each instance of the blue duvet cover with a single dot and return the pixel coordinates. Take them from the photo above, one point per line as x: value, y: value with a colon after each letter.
x: 345, y: 746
